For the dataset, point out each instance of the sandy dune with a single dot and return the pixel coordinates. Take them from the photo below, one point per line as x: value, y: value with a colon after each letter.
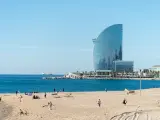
x: 83, y: 106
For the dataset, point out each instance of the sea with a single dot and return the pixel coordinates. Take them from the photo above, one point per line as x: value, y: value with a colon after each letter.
x: 30, y: 83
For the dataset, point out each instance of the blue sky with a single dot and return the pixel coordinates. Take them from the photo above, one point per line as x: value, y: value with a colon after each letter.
x: 56, y: 35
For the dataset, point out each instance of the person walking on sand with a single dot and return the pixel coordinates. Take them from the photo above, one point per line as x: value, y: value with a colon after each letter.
x: 20, y: 98
x: 45, y: 95
x: 99, y: 103
x: 50, y: 105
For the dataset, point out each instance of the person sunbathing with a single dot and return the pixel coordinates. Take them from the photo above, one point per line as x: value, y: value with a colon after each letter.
x: 23, y: 113
x: 36, y: 97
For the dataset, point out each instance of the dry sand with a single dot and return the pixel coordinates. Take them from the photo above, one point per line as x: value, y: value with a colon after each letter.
x: 5, y: 110
x: 83, y: 106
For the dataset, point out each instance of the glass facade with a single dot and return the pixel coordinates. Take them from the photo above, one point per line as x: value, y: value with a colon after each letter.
x: 108, y: 47
x: 123, y: 66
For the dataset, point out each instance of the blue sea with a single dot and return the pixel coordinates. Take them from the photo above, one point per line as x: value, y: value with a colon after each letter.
x: 29, y: 83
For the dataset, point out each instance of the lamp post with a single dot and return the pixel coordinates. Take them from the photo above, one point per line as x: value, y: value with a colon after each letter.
x: 140, y: 87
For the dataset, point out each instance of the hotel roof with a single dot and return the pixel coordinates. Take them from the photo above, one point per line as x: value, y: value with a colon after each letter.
x: 156, y: 66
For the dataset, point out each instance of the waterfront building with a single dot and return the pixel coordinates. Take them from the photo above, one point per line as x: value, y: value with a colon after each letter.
x: 108, y: 47
x: 156, y: 71
x: 103, y: 73
x: 155, y: 68
x: 123, y: 66
x: 72, y: 75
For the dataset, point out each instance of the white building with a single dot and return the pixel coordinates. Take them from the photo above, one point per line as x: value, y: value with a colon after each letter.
x: 155, y: 68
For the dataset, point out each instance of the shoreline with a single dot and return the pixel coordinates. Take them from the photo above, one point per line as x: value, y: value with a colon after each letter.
x: 51, y: 92
x: 65, y: 92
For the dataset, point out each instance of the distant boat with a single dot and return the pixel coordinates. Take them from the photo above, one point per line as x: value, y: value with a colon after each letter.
x: 47, y: 74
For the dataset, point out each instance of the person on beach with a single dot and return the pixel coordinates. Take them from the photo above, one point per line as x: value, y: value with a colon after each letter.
x: 50, y: 105
x: 20, y: 98
x: 63, y: 89
x: 16, y: 93
x: 124, y: 101
x: 105, y: 89
x: 54, y: 90
x: 45, y: 95
x: 0, y: 99
x: 99, y: 103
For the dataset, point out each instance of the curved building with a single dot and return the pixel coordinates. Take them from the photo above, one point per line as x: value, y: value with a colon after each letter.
x: 108, y: 47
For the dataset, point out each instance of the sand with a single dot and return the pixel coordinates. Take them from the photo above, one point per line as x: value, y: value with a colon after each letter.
x: 83, y: 106
x: 5, y: 110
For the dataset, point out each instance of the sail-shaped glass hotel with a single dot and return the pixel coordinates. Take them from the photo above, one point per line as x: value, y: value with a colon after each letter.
x: 108, y: 47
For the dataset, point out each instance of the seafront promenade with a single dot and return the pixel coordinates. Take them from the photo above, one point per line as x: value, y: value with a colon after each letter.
x: 83, y: 106
x: 100, y: 78
x: 103, y: 75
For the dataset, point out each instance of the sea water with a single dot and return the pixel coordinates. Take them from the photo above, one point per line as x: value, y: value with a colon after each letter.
x: 29, y: 83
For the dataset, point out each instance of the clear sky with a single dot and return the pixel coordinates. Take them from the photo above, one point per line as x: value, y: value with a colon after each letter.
x: 56, y: 35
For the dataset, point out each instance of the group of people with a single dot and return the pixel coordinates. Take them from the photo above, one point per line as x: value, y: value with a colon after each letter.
x: 45, y: 94
x: 35, y: 97
x: 59, y: 91
x: 51, y: 105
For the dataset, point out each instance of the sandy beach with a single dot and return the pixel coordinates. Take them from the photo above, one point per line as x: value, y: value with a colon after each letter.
x: 83, y: 106
x: 5, y: 110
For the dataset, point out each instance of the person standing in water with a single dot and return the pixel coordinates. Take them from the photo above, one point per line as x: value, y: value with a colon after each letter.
x: 105, y: 89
